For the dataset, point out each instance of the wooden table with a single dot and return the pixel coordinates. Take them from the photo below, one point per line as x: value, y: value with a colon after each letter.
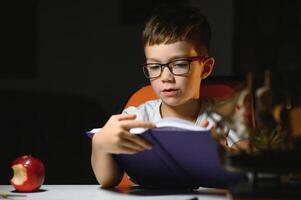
x: 91, y: 192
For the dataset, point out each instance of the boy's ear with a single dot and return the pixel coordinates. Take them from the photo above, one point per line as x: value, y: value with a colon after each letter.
x: 208, y: 67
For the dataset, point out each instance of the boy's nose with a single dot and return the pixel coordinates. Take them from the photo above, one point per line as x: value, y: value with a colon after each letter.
x: 166, y: 75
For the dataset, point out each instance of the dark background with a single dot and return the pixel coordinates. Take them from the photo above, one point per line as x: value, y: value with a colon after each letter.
x: 68, y: 65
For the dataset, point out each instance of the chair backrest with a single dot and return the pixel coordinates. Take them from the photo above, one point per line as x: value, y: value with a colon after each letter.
x: 219, y: 88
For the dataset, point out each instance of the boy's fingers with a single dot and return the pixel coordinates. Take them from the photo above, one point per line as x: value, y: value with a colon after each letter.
x: 125, y: 116
x: 135, y: 124
x: 138, y: 141
x: 205, y: 123
x: 126, y: 150
x: 131, y: 145
x: 135, y: 139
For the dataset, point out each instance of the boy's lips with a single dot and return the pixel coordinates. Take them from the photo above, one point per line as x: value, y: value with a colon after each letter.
x: 170, y: 92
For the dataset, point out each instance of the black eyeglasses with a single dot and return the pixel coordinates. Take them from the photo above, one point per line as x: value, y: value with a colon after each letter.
x: 176, y: 67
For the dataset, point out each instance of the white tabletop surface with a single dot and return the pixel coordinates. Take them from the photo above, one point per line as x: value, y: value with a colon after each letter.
x: 91, y: 192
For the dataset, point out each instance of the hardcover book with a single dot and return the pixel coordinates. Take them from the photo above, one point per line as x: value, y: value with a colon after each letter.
x: 183, y: 155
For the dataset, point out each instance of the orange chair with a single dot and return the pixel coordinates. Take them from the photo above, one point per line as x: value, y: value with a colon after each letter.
x: 219, y: 88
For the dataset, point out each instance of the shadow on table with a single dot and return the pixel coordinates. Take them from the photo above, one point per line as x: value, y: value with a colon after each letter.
x: 17, y: 194
x: 146, y: 191
x: 37, y: 191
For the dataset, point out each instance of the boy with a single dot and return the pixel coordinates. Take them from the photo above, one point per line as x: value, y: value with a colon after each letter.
x: 176, y: 42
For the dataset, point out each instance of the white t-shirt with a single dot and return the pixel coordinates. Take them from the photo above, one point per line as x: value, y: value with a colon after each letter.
x: 150, y: 111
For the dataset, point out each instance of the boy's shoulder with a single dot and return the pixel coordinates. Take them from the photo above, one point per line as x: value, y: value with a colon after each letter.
x: 147, y: 111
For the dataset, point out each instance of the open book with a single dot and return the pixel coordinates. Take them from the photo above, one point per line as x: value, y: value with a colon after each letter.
x: 183, y: 155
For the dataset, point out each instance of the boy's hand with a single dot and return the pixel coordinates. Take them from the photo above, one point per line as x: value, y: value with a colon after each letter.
x: 115, y: 137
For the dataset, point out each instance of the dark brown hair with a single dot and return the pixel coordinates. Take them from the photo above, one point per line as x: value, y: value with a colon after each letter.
x: 169, y: 24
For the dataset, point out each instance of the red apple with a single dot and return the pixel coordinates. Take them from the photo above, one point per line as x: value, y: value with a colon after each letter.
x: 29, y: 173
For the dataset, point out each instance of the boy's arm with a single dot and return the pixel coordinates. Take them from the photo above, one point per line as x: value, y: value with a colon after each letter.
x: 106, y: 171
x: 115, y: 138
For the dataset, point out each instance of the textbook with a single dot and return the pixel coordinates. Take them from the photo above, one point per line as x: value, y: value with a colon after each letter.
x: 183, y: 156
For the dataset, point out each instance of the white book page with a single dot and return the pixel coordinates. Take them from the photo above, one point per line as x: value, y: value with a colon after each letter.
x: 172, y: 122
x: 179, y: 123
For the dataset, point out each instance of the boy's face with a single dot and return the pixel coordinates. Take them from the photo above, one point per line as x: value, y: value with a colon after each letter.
x: 176, y: 90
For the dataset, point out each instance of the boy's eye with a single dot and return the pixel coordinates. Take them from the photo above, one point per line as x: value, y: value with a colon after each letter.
x: 181, y: 64
x: 153, y: 67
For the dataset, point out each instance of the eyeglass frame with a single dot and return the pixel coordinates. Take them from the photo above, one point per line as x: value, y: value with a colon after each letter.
x: 189, y: 59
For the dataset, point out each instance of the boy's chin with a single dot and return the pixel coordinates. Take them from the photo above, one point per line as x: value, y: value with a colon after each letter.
x: 172, y: 102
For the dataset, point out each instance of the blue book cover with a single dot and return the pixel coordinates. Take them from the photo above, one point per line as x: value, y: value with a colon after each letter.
x: 183, y: 155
